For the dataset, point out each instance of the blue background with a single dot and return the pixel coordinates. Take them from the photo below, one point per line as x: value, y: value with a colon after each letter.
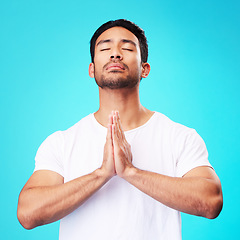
x: 44, y: 55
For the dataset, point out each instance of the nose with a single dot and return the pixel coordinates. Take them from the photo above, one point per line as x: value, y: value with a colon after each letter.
x: 116, y: 55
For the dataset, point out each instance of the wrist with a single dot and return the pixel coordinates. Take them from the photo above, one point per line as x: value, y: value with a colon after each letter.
x: 102, y: 173
x: 129, y: 172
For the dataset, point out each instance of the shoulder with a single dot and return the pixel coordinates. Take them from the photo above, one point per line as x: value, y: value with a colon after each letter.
x: 60, y: 136
x: 83, y: 122
x: 177, y: 133
x: 81, y: 126
x: 173, y: 127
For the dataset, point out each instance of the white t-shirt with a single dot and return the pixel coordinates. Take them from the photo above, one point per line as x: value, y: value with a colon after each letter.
x: 119, y: 211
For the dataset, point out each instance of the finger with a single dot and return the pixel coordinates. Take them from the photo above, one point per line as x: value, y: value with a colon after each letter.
x: 109, y: 129
x: 109, y: 133
x: 110, y: 118
x: 120, y: 129
x: 114, y: 135
x: 117, y: 131
x: 119, y: 122
x: 117, y: 140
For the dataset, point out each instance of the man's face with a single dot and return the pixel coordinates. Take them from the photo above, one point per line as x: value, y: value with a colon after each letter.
x: 117, y: 61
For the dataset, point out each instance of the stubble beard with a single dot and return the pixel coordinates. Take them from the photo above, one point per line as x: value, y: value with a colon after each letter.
x: 116, y: 82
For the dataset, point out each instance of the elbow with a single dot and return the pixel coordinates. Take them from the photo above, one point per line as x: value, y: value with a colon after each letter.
x: 27, y: 213
x: 26, y: 217
x: 25, y: 220
x: 213, y: 207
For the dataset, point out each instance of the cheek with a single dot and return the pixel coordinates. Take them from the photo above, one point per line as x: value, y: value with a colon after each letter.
x: 136, y: 65
x: 134, y: 60
x: 101, y: 56
x: 100, y: 61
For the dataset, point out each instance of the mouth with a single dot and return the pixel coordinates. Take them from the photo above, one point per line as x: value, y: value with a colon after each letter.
x: 115, y: 66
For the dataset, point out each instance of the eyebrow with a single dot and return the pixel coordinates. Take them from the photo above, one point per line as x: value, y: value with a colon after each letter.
x: 122, y: 40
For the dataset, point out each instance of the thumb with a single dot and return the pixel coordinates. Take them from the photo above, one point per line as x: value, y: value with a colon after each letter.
x: 109, y: 129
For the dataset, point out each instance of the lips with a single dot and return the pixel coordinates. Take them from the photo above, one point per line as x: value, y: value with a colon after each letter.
x: 115, y: 66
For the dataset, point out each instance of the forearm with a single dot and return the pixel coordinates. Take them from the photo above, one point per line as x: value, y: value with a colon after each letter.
x: 193, y: 195
x: 46, y: 204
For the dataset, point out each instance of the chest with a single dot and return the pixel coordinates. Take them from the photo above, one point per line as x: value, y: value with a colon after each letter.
x: 151, y: 152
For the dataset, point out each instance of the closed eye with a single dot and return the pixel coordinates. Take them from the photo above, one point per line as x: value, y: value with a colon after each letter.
x: 128, y: 49
x: 104, y: 49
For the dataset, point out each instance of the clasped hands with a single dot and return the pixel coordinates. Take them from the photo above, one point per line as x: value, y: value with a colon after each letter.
x: 117, y: 157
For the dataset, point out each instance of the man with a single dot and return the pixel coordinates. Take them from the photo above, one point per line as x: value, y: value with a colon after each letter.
x: 124, y: 172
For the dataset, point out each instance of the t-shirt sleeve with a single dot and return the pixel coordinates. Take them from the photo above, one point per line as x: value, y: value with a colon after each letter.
x: 50, y: 154
x: 192, y: 153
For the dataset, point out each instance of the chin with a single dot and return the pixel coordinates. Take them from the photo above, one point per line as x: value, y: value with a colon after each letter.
x: 119, y: 83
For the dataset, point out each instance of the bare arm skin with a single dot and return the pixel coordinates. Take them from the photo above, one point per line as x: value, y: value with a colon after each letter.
x: 46, y: 198
x: 198, y: 192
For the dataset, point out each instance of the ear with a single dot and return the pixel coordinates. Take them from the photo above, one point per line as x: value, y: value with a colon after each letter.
x: 145, y: 69
x: 91, y: 70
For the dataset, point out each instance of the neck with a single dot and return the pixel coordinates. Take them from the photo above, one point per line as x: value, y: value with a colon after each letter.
x: 127, y: 103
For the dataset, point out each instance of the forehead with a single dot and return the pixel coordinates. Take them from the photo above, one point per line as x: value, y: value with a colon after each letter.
x: 116, y: 34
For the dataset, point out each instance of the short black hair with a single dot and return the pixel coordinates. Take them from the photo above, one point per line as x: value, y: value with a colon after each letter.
x: 132, y: 27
